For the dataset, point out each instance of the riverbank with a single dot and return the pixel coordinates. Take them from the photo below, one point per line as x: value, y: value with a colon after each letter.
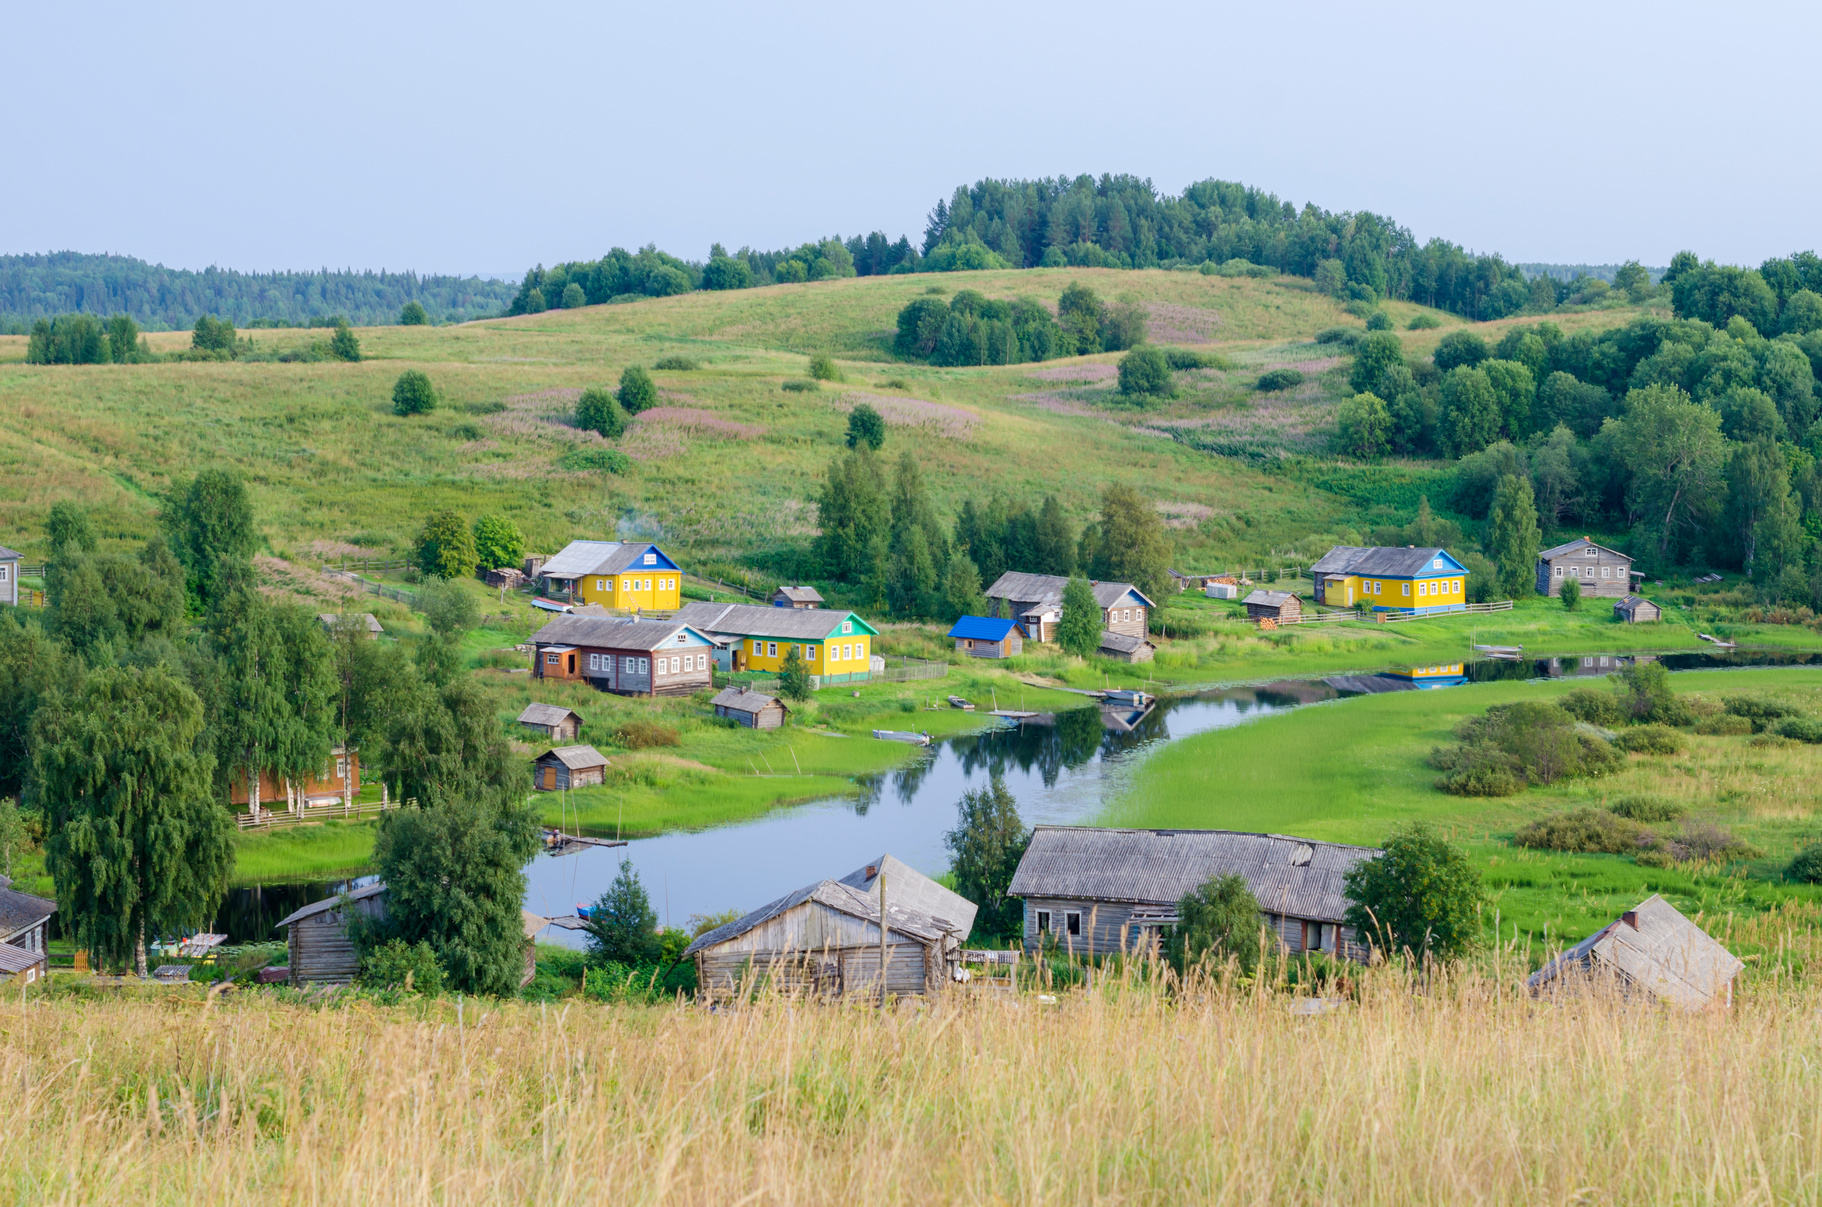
x: 1349, y: 770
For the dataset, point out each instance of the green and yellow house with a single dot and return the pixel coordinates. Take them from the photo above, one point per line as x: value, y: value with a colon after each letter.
x: 1419, y: 581
x: 835, y: 646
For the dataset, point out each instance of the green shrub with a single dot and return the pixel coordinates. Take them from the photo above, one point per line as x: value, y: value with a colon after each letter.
x: 822, y: 368
x: 1347, y: 337
x: 1644, y: 695
x: 343, y: 345
x: 1423, y: 322
x: 1180, y: 358
x: 1379, y: 320
x: 637, y: 390
x: 1422, y: 894
x: 866, y: 426
x: 1725, y: 726
x: 1702, y: 841
x: 1477, y: 771
x: 1807, y: 866
x: 1219, y: 921
x: 497, y: 542
x: 600, y: 412
x: 1572, y: 594
x: 1760, y: 711
x: 643, y: 735
x: 413, y: 394
x: 1800, y: 729
x: 895, y: 383
x: 800, y: 385
x: 612, y: 460
x: 1145, y: 372
x: 445, y: 546
x: 1649, y: 739
x: 572, y: 297
x: 1646, y: 808
x: 677, y: 364
x: 1587, y: 831
x: 1280, y: 379
x: 412, y: 967
x: 413, y: 314
x: 1595, y: 707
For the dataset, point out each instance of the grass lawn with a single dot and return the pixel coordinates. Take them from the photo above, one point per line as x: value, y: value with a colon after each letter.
x: 313, y: 852
x: 1349, y: 770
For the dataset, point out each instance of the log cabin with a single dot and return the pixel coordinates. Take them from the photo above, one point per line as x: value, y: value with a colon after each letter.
x: 796, y: 597
x: 552, y: 721
x: 1602, y: 571
x: 1650, y: 951
x: 320, y: 951
x: 755, y: 710
x: 1281, y: 606
x: 624, y: 656
x: 987, y: 637
x: 568, y: 767
x: 1635, y: 609
x: 1035, y: 603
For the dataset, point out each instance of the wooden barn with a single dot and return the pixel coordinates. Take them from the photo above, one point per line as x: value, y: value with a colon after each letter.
x: 1601, y: 571
x: 755, y: 710
x: 553, y: 721
x: 1124, y: 647
x: 824, y: 941
x: 1035, y: 602
x: 1280, y: 606
x: 915, y: 891
x: 1090, y: 889
x: 1635, y: 609
x: 321, y: 953
x: 364, y: 623
x: 568, y: 767
x: 987, y: 637
x: 796, y: 597
x: 1654, y: 951
x: 24, y: 933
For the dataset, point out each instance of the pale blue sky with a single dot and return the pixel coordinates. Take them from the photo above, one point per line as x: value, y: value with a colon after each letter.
x: 469, y: 137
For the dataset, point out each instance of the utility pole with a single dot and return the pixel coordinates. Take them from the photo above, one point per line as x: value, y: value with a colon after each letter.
x: 882, y: 935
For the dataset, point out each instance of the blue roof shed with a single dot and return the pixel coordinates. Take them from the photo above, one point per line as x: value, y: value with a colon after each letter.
x: 982, y: 628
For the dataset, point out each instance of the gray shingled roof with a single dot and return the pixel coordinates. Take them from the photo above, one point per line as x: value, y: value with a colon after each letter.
x: 14, y: 960
x: 1048, y: 589
x: 763, y: 620
x: 1123, y: 643
x: 364, y: 619
x: 20, y: 911
x: 1376, y: 559
x: 576, y: 758
x: 1664, y: 953
x: 9, y: 555
x: 800, y: 594
x: 1580, y: 542
x: 547, y: 714
x: 1287, y: 875
x: 907, y: 886
x: 1271, y: 599
x: 578, y: 559
x: 611, y: 632
x: 329, y: 903
x: 836, y: 896
x: 741, y: 700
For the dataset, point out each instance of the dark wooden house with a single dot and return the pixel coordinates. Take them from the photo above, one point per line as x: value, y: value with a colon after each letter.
x: 1280, y: 606
x: 755, y: 710
x: 987, y: 637
x: 339, y: 780
x: 568, y: 767
x: 824, y: 941
x: 1090, y: 889
x: 624, y: 656
x: 796, y: 597
x: 1651, y: 951
x: 24, y: 932
x: 1602, y: 571
x: 1635, y: 609
x: 321, y: 953
x: 1035, y: 603
x: 1124, y: 647
x: 552, y: 721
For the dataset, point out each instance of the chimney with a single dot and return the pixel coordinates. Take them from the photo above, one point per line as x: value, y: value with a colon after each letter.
x: 1631, y: 918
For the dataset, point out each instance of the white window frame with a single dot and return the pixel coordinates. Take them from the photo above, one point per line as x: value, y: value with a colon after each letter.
x: 1407, y: 590
x: 847, y: 626
x: 1559, y: 571
x: 812, y: 655
x: 645, y: 666
x: 553, y: 660
x: 650, y: 559
x: 771, y: 649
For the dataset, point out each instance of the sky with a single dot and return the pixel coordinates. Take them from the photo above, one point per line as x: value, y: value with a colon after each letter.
x: 455, y: 137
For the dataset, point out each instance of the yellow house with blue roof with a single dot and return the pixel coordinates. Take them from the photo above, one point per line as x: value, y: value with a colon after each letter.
x: 1389, y: 579
x: 835, y: 646
x: 624, y: 575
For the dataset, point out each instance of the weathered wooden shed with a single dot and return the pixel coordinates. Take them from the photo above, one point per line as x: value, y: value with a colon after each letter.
x: 1124, y: 647
x: 987, y: 636
x: 1600, y: 570
x: 755, y: 710
x: 1653, y: 950
x: 824, y: 941
x: 317, y: 936
x: 555, y: 722
x: 1273, y: 605
x: 796, y: 597
x: 565, y: 767
x: 364, y: 623
x: 1099, y: 890
x: 1635, y: 609
x: 915, y: 891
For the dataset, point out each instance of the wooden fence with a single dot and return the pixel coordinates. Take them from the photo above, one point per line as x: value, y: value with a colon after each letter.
x: 736, y: 588
x: 1473, y: 609
x: 395, y: 594
x: 909, y: 669
x: 271, y: 818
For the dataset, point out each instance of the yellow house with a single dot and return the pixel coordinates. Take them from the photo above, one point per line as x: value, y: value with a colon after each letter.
x: 835, y: 646
x: 624, y: 575
x: 1390, y: 579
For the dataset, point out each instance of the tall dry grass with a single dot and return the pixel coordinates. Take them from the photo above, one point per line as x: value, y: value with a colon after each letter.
x: 1464, y: 1091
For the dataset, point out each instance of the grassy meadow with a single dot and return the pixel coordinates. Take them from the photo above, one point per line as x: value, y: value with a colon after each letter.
x: 1349, y: 770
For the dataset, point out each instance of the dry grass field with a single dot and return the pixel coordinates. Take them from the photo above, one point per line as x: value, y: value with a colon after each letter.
x: 1458, y: 1090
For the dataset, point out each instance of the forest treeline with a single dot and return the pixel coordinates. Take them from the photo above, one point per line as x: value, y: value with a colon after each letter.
x: 169, y: 299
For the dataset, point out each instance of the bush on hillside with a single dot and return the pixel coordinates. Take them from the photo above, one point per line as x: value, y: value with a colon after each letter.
x: 1807, y: 866
x: 1649, y: 739
x: 822, y: 368
x: 497, y: 542
x: 1421, y: 895
x: 600, y: 412
x: 1145, y: 373
x: 1572, y: 594
x: 1459, y: 349
x: 1280, y: 379
x: 445, y: 547
x: 1585, y: 831
x: 396, y: 964
x: 610, y: 460
x: 343, y: 345
x: 573, y: 298
x: 1645, y: 696
x: 1800, y: 729
x: 643, y: 735
x: 1346, y: 337
x: 1594, y: 707
x: 676, y: 364
x: 1646, y: 808
x: 1181, y: 358
x: 1379, y: 320
x: 800, y: 385
x: 413, y: 314
x: 1423, y: 322
x: 866, y: 426
x: 413, y: 394
x: 1530, y: 741
x: 1758, y: 711
x: 1725, y: 726
x: 637, y: 390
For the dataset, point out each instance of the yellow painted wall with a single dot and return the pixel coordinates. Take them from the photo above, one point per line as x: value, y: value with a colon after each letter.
x: 1402, y: 592
x: 629, y: 591
x: 820, y: 658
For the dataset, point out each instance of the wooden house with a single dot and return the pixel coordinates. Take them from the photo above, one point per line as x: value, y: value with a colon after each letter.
x: 568, y: 767
x: 1602, y: 571
x: 1635, y: 609
x: 1089, y: 889
x: 835, y: 646
x: 625, y: 656
x: 339, y: 780
x: 321, y: 953
x: 1124, y: 647
x: 364, y: 623
x: 1652, y: 950
x: 1035, y: 603
x: 24, y: 933
x: 627, y: 576
x: 915, y: 891
x: 552, y: 721
x: 1281, y: 606
x: 987, y: 637
x: 755, y: 710
x: 9, y: 575
x: 824, y: 941
x: 796, y: 597
x: 1389, y: 579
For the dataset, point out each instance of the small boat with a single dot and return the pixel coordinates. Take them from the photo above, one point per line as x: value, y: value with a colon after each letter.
x: 1123, y: 695
x: 902, y: 735
x: 958, y: 702
x: 1726, y: 645
x: 1500, y: 651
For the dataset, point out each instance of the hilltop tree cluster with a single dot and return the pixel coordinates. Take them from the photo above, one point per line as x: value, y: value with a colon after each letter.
x: 972, y: 329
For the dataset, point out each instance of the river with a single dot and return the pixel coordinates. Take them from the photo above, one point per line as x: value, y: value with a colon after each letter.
x: 1062, y: 769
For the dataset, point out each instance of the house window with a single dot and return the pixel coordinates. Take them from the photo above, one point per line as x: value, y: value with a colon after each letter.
x: 771, y: 649
x: 630, y: 665
x: 1043, y: 921
x: 600, y: 584
x: 1407, y: 588
x: 1072, y: 921
x: 643, y: 664
x: 847, y: 626
x: 594, y: 662
x: 1559, y: 572
x: 650, y: 559
x: 758, y: 648
x: 4, y: 571
x: 813, y: 650
x: 553, y: 660
x: 1605, y: 573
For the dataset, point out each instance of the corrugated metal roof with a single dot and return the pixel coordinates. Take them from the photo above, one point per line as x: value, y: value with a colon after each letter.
x: 19, y: 911
x: 1123, y: 643
x: 18, y: 959
x: 9, y: 555
x: 742, y: 700
x: 800, y: 594
x: 907, y: 886
x: 613, y: 632
x: 1271, y: 599
x: 1048, y: 589
x: 576, y: 758
x: 1580, y: 542
x: 982, y: 628
x: 547, y: 714
x: 764, y: 620
x: 329, y: 903
x: 579, y: 559
x: 836, y: 896
x: 1385, y: 560
x: 364, y: 619
x: 1663, y: 952
x: 1291, y: 876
